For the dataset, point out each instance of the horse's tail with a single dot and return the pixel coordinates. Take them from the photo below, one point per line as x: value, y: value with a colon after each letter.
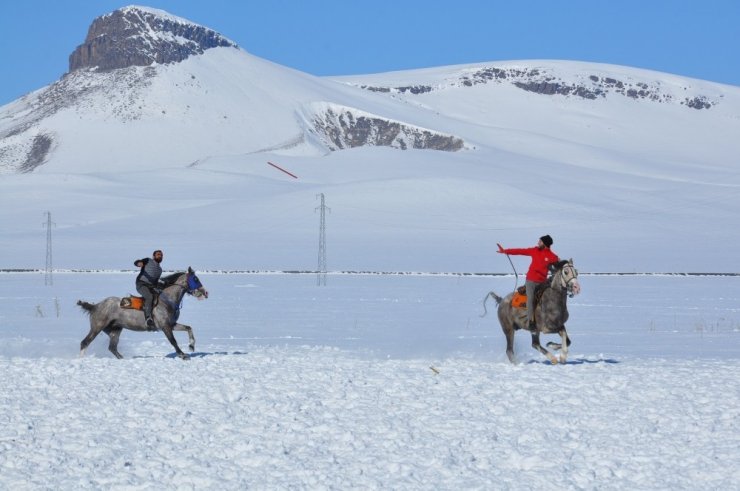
x: 485, y: 299
x: 86, y: 306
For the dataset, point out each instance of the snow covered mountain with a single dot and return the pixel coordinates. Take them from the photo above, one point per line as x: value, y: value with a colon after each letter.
x: 160, y: 120
x: 144, y: 77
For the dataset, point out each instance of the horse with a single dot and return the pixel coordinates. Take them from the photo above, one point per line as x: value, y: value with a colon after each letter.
x: 109, y: 317
x: 551, y: 312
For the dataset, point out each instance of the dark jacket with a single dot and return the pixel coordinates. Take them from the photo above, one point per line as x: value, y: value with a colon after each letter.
x: 150, y: 271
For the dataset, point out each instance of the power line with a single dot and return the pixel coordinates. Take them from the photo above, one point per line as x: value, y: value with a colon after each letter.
x: 321, y: 270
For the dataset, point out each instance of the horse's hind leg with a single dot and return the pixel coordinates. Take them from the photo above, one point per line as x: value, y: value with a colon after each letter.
x: 114, y: 333
x: 189, y: 330
x: 536, y: 345
x: 509, y: 333
x: 95, y: 329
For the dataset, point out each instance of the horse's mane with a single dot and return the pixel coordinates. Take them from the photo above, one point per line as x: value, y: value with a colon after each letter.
x: 171, y: 279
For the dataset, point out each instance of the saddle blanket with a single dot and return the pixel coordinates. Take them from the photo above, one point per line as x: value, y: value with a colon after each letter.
x: 131, y: 302
x: 519, y: 300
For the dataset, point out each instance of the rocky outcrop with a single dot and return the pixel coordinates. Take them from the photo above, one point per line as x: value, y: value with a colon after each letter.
x: 24, y: 146
x: 137, y: 36
x: 543, y: 81
x: 342, y: 127
x: 24, y: 152
x: 37, y: 154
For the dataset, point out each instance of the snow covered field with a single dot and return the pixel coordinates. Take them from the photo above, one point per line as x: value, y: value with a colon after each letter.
x: 373, y: 381
x: 298, y: 386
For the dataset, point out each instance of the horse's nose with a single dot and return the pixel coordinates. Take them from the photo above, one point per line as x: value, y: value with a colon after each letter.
x: 576, y: 288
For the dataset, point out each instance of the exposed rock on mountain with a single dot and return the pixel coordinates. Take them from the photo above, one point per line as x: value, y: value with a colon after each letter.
x: 543, y: 81
x: 343, y: 127
x: 26, y: 152
x: 25, y: 145
x: 136, y: 36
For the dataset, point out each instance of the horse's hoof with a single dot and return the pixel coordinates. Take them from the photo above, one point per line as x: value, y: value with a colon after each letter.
x: 563, y: 360
x: 192, y: 347
x: 553, y: 360
x: 184, y: 356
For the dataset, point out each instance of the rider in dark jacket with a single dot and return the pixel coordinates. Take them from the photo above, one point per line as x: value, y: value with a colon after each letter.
x: 147, y: 283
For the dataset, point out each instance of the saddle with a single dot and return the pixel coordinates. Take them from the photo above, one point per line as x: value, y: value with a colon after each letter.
x: 136, y: 303
x: 519, y: 300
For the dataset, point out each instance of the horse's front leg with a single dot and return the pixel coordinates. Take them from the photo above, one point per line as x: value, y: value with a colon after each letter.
x: 189, y: 330
x: 562, y: 346
x: 536, y: 345
x: 565, y: 342
x: 167, y: 329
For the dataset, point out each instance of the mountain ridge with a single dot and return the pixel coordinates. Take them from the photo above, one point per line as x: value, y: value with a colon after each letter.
x: 142, y: 66
x: 543, y: 78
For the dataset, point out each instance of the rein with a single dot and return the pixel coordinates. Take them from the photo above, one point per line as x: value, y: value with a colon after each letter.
x: 170, y: 303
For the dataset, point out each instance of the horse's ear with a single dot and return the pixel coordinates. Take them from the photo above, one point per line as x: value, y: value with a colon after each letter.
x: 190, y: 270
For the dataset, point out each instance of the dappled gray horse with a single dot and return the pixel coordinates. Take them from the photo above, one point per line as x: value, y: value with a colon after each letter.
x: 550, y: 314
x: 109, y: 317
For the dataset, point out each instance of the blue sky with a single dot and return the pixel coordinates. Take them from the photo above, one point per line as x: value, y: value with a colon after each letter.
x: 695, y: 38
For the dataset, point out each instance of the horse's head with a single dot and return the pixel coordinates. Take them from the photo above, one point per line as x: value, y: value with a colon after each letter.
x: 565, y: 276
x: 194, y: 286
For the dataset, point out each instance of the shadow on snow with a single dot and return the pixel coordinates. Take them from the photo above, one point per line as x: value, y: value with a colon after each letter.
x: 582, y: 361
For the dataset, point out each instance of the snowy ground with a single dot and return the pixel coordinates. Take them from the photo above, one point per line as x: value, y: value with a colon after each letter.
x: 298, y: 386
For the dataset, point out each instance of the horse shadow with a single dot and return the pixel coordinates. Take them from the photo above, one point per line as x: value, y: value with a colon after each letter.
x: 581, y: 361
x: 204, y: 354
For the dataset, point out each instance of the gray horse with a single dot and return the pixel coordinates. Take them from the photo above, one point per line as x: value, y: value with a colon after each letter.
x: 551, y: 312
x: 109, y: 317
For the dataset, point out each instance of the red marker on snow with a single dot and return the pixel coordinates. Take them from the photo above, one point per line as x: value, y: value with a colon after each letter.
x: 283, y: 170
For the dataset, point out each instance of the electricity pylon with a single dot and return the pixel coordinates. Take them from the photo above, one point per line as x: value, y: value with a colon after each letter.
x: 48, y: 278
x: 321, y: 270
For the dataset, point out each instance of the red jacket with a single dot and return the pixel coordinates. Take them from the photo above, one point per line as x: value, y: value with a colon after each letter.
x: 541, y: 259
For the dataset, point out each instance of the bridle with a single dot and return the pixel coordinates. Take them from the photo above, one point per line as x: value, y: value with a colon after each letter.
x: 194, y: 284
x: 568, y: 270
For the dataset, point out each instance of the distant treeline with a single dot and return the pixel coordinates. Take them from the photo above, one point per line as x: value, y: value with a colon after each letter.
x: 389, y: 273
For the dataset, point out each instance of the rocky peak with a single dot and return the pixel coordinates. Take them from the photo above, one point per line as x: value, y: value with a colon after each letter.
x: 140, y: 36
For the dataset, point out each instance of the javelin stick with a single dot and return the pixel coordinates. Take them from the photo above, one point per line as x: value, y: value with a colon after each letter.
x: 282, y: 170
x: 516, y: 275
x: 491, y: 294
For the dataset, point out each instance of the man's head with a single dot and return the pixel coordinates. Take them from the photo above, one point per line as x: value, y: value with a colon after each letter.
x: 157, y: 256
x: 546, y: 240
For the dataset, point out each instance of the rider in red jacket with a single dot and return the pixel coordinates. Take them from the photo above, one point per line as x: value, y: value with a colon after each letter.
x: 542, y: 258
